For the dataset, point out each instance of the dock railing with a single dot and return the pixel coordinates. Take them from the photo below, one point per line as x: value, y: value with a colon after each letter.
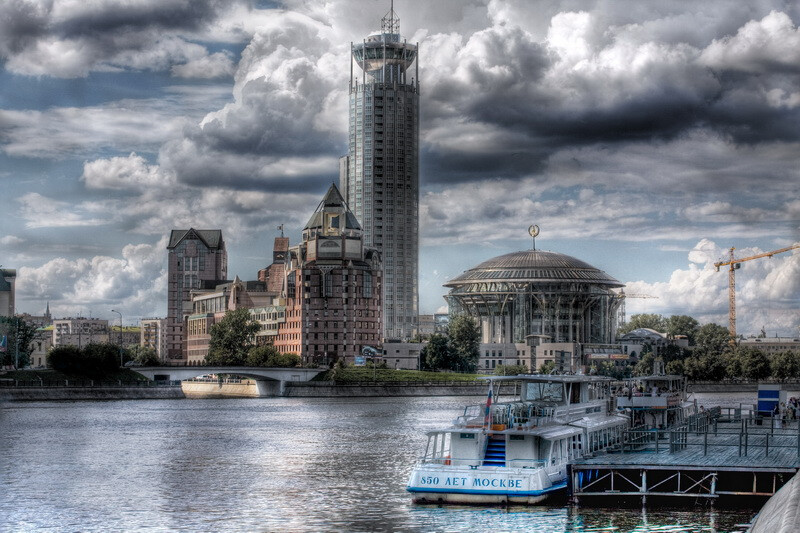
x: 745, y: 431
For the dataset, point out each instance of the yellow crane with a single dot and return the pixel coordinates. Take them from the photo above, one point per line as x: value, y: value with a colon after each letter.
x: 734, y: 265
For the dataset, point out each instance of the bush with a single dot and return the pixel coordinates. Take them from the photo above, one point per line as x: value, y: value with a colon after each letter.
x: 269, y: 356
x: 510, y: 370
x: 93, y: 360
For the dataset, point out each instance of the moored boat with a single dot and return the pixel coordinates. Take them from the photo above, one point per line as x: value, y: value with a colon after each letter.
x: 517, y: 450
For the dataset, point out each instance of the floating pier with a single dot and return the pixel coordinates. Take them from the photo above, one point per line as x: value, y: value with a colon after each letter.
x: 716, y: 454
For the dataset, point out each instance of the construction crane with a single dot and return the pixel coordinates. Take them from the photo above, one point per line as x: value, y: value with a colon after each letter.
x: 624, y: 296
x: 735, y: 264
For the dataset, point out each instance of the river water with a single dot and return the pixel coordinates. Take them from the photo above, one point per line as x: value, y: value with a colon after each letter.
x: 271, y: 464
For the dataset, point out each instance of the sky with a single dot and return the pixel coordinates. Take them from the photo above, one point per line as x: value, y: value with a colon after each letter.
x: 644, y: 138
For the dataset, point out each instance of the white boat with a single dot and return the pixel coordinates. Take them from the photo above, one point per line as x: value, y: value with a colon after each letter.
x: 517, y: 451
x: 658, y: 401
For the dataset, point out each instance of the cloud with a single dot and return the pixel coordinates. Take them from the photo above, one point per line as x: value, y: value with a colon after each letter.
x: 42, y: 212
x: 130, y: 172
x: 11, y: 241
x: 134, y: 283
x: 767, y: 290
x: 759, y: 47
x: 208, y: 67
x: 68, y: 39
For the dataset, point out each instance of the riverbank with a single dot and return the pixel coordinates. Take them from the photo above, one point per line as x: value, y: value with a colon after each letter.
x: 105, y: 392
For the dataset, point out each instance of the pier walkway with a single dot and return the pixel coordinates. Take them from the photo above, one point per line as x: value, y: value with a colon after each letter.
x: 712, y: 456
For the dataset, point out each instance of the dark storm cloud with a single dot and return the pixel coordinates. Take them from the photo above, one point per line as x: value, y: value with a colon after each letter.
x: 68, y: 40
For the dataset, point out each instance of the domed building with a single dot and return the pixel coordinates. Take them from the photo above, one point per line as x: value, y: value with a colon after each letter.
x: 550, y: 296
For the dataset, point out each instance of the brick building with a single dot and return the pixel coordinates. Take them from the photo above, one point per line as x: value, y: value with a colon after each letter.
x: 332, y: 288
x: 197, y: 260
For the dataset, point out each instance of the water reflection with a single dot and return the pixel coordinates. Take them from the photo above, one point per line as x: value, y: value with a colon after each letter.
x: 257, y: 465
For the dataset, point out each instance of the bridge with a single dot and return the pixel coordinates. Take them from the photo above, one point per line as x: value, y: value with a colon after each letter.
x: 262, y: 375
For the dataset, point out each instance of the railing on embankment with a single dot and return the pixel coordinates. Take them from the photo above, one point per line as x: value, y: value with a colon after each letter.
x: 87, y: 389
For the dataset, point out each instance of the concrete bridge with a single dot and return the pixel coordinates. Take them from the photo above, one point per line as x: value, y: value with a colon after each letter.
x: 270, y: 381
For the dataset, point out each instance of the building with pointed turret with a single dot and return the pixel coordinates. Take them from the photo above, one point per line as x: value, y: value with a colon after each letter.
x: 379, y: 176
x: 332, y: 288
x: 197, y: 260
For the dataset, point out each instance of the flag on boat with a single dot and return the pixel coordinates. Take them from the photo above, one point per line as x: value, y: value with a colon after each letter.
x: 487, y: 420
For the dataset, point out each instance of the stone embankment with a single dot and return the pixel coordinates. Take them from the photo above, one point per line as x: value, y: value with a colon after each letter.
x: 246, y: 388
x: 66, y: 391
x: 781, y: 513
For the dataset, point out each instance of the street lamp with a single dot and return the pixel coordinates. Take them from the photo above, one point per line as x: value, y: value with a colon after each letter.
x: 120, y: 336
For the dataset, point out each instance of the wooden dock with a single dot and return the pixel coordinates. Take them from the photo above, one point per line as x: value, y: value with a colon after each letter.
x: 714, y: 455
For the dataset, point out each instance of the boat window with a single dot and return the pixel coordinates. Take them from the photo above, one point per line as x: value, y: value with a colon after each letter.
x: 468, y: 435
x: 544, y: 392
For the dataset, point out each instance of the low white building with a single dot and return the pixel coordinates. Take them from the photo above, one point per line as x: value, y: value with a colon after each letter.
x: 79, y: 331
x: 153, y: 334
x: 772, y: 345
x: 403, y: 355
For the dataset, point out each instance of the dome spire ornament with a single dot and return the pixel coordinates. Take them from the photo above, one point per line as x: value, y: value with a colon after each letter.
x: 533, y: 231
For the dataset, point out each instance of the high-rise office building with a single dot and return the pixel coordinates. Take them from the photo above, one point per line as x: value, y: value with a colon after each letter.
x: 197, y: 260
x: 379, y: 177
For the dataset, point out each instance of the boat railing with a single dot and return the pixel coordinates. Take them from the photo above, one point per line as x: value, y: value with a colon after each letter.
x: 528, y: 414
x: 474, y: 462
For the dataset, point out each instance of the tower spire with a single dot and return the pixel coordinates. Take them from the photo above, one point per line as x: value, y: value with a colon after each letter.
x: 390, y: 23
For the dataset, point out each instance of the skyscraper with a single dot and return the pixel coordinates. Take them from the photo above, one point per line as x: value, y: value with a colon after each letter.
x: 197, y: 259
x: 379, y: 177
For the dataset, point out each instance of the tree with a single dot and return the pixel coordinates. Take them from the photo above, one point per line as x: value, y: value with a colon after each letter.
x: 19, y: 338
x: 510, y: 370
x: 436, y: 354
x: 682, y: 325
x: 755, y: 363
x: 547, y: 367
x: 674, y: 367
x: 232, y: 338
x: 100, y: 358
x: 143, y: 355
x: 465, y: 338
x: 645, y: 365
x: 269, y: 356
x: 711, y: 338
x: 644, y: 320
x: 64, y: 358
x: 785, y: 365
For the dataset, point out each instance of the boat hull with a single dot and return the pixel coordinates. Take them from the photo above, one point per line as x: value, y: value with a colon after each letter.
x: 492, y: 485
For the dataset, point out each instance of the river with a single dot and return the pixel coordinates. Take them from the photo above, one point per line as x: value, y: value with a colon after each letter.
x: 276, y: 464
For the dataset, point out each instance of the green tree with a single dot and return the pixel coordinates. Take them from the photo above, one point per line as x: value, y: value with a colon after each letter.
x: 711, y: 338
x: 644, y: 320
x: 645, y: 365
x: 65, y: 359
x: 714, y: 367
x: 436, y: 354
x: 674, y: 367
x: 260, y: 355
x: 19, y: 338
x: 510, y: 370
x: 755, y: 363
x: 143, y: 355
x: 269, y: 356
x: 547, y: 367
x: 100, y: 358
x: 785, y: 365
x: 232, y: 338
x: 682, y: 325
x: 465, y: 338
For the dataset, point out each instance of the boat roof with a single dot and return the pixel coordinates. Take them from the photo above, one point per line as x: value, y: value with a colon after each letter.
x: 556, y: 432
x: 654, y: 377
x: 551, y: 378
x: 599, y: 422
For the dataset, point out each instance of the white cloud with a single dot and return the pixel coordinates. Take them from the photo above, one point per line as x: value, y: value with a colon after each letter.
x: 130, y: 172
x: 758, y: 47
x: 42, y: 212
x: 207, y: 67
x: 11, y: 240
x: 134, y: 283
x: 767, y: 290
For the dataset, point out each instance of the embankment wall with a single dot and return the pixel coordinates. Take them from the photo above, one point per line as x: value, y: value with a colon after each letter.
x: 13, y: 394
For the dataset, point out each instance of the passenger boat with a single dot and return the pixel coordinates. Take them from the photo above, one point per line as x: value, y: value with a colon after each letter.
x: 517, y: 451
x: 657, y: 401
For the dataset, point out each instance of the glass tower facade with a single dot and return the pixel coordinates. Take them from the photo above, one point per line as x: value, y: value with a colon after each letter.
x: 379, y: 177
